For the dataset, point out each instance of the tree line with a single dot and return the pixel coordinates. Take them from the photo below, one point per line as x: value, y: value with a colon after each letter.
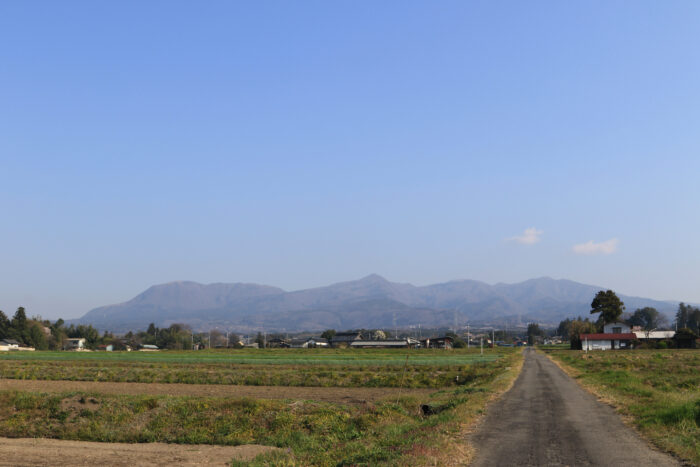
x: 610, y: 309
x: 46, y: 335
x: 43, y: 334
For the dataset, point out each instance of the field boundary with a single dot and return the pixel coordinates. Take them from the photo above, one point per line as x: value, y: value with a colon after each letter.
x: 343, y: 395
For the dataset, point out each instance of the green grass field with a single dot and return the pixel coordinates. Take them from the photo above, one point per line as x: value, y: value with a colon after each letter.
x: 379, y: 357
x: 564, y: 346
x: 283, y: 367
x: 658, y: 389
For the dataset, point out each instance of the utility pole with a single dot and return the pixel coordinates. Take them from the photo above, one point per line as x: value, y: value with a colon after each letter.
x: 493, y: 338
x: 227, y: 339
x: 467, y: 335
x: 482, y: 345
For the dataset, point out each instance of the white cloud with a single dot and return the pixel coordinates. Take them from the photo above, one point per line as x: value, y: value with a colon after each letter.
x: 529, y: 237
x: 607, y: 247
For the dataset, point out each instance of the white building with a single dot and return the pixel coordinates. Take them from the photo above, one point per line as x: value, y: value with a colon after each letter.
x: 614, y: 336
x: 655, y: 335
x: 8, y: 344
x: 74, y: 343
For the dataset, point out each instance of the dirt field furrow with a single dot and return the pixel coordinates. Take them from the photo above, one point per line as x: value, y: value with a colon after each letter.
x: 50, y: 452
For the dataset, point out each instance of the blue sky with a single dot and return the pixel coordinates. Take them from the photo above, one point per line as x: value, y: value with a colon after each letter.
x: 303, y: 143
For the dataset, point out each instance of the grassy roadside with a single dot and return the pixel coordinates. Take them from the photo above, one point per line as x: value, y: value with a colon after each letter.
x: 658, y: 392
x: 391, y: 432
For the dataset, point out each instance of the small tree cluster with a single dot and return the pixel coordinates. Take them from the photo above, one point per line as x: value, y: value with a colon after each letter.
x: 533, y: 332
x: 571, y: 330
x: 176, y: 336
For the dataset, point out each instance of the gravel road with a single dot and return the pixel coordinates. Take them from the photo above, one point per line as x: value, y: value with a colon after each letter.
x: 546, y: 419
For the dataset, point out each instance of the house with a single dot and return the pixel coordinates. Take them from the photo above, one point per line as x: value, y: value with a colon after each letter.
x: 8, y: 344
x: 343, y: 340
x: 614, y: 336
x: 74, y: 343
x: 444, y: 342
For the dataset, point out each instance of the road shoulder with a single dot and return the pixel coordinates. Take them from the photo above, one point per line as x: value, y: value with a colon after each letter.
x: 475, y: 414
x: 607, y: 397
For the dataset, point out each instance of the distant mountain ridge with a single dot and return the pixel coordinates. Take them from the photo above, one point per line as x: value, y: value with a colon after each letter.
x: 370, y: 302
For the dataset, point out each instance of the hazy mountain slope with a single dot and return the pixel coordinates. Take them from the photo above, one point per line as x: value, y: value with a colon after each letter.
x: 369, y: 302
x: 178, y: 302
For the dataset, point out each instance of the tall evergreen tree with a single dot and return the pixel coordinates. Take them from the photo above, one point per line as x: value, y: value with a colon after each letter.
x: 682, y: 316
x: 4, y: 325
x: 19, y: 327
x: 608, y: 305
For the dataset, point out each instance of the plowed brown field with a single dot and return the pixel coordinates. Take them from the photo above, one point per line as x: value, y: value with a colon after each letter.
x: 50, y: 452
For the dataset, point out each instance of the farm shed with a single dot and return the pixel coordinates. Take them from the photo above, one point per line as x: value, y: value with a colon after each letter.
x: 149, y: 348
x: 654, y: 335
x: 345, y: 339
x: 444, y: 342
x: 385, y: 344
x: 299, y: 343
x: 278, y: 343
x: 308, y: 343
x: 8, y: 344
x: 317, y: 342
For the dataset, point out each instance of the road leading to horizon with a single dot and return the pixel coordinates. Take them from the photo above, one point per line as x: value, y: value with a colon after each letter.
x: 547, y: 419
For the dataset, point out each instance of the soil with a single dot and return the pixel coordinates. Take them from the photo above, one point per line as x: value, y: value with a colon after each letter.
x: 548, y: 419
x: 357, y: 396
x: 50, y: 452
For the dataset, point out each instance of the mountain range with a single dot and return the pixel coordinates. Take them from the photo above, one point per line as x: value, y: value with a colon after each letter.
x: 370, y: 302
